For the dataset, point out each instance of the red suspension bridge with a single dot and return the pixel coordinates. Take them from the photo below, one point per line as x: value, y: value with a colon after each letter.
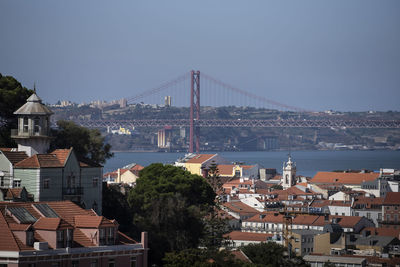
x: 218, y: 93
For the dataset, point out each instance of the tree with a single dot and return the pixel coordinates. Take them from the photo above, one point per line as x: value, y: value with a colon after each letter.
x: 170, y: 203
x: 12, y: 96
x: 87, y: 143
x: 115, y: 205
x: 214, y: 227
x: 271, y: 254
x: 202, y: 258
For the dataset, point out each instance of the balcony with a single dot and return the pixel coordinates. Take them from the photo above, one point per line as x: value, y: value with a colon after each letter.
x: 73, y: 191
x: 29, y: 133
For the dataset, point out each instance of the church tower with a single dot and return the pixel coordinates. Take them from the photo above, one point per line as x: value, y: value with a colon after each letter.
x: 289, y: 174
x: 33, y: 133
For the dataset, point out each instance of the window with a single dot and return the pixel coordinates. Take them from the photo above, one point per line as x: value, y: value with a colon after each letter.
x: 93, y: 263
x: 36, y: 125
x: 237, y: 173
x: 75, y: 263
x: 379, y: 216
x: 296, y: 250
x: 69, y: 237
x: 357, y: 214
x: 396, y: 218
x: 296, y: 240
x: 17, y: 183
x: 95, y: 182
x: 46, y: 183
x: 102, y: 236
x: 368, y: 215
x: 110, y: 240
x: 60, y: 239
x: 388, y: 217
x: 55, y: 264
x: 25, y: 125
x: 29, y: 238
x: 1, y: 180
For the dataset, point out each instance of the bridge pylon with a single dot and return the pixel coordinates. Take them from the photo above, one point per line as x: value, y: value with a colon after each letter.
x: 194, y: 133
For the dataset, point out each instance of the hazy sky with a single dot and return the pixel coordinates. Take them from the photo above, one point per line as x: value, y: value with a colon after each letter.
x: 341, y: 54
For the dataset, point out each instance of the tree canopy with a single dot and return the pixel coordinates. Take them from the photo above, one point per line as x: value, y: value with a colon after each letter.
x: 271, y: 254
x: 202, y: 258
x: 87, y: 143
x: 170, y: 203
x: 12, y: 96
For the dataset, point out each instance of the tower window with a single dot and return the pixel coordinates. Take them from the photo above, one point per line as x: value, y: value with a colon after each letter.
x: 25, y: 125
x: 36, y: 125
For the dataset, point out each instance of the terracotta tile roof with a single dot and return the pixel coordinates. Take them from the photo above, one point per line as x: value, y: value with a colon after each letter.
x: 19, y: 227
x: 239, y: 207
x: 392, y: 198
x: 62, y: 154
x: 200, y: 158
x: 40, y: 161
x: 276, y: 177
x: 383, y: 231
x: 124, y: 239
x: 8, y: 241
x: 226, y: 169
x: 137, y: 167
x: 238, y: 235
x: 343, y: 178
x: 271, y: 217
x: 238, y: 254
x: 305, y: 219
x: 14, y: 156
x: 22, y: 246
x: 81, y: 240
x: 368, y: 202
x: 45, y: 223
x: 87, y: 221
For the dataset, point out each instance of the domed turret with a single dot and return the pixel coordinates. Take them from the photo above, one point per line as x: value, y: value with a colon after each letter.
x: 33, y: 133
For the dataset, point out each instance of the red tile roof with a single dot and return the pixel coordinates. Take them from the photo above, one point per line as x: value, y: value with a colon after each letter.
x: 392, y: 198
x: 200, y: 158
x: 62, y: 155
x: 246, y: 236
x: 383, y: 231
x: 45, y: 223
x: 343, y: 178
x: 87, y: 221
x: 40, y: 161
x: 67, y: 212
x: 239, y: 207
x: 8, y: 241
x: 14, y: 156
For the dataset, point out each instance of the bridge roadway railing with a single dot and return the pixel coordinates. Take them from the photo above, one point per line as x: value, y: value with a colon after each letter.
x: 395, y: 124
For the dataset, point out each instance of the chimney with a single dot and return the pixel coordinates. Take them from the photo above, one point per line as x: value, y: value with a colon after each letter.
x: 144, y: 242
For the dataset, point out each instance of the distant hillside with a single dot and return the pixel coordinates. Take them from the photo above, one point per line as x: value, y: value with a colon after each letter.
x: 243, y: 139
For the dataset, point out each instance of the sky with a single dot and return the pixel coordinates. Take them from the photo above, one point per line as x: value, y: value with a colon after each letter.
x: 318, y: 55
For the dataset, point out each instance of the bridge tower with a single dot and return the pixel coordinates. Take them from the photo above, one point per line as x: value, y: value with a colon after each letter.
x: 194, y: 133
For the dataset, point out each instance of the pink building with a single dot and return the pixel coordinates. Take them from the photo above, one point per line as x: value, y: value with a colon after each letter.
x: 60, y: 233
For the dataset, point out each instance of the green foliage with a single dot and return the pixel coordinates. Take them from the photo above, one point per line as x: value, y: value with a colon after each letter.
x: 87, y: 143
x: 12, y: 97
x: 115, y: 206
x: 201, y: 258
x: 270, y: 254
x: 277, y: 187
x: 170, y: 203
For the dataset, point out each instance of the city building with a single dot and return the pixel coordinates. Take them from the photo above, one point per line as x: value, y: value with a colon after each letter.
x: 63, y: 234
x: 288, y: 174
x: 200, y: 163
x: 391, y: 211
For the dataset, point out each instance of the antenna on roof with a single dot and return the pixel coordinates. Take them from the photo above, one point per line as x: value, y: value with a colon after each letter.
x: 34, y: 87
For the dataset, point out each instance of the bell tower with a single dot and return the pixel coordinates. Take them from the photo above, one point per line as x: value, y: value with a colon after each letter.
x: 33, y: 133
x: 289, y: 174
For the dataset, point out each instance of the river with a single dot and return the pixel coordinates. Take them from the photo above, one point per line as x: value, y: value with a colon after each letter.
x: 308, y: 162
